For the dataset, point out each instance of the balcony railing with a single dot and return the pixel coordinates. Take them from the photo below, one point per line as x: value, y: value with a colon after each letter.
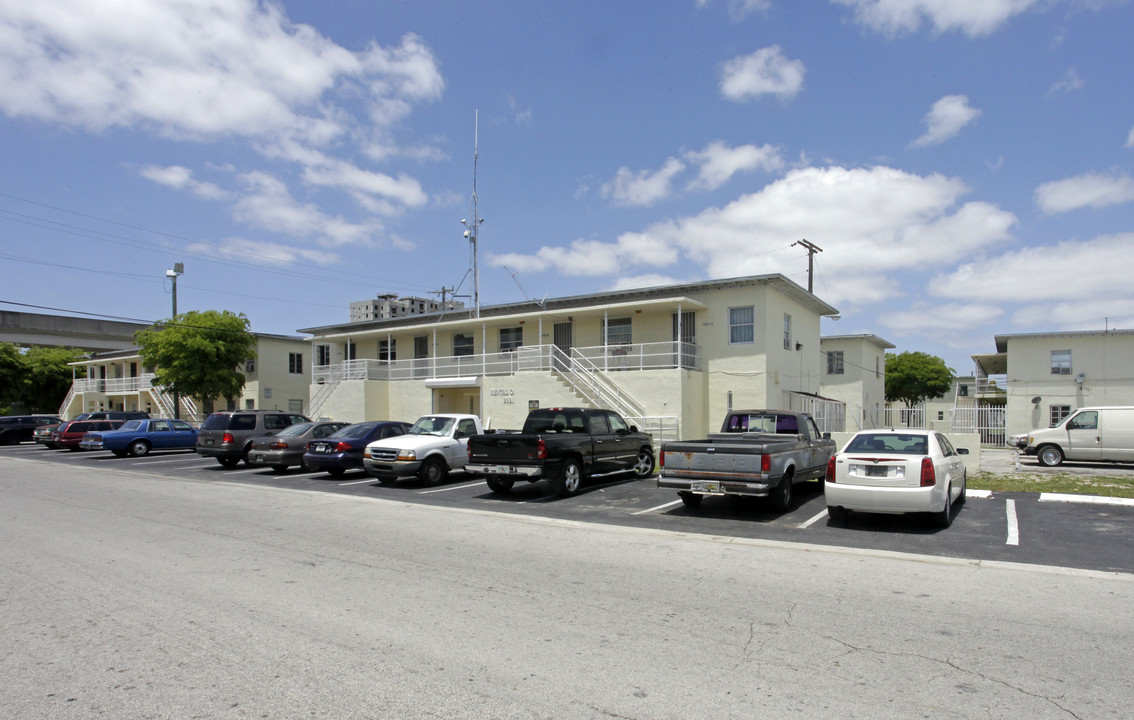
x: 533, y: 358
x: 114, y: 386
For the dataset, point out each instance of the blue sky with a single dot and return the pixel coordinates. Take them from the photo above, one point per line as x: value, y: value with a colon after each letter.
x: 965, y: 165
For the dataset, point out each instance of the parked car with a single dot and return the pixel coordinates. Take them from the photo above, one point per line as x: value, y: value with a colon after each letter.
x: 20, y: 428
x: 286, y: 447
x: 564, y: 445
x: 1094, y: 434
x: 343, y: 450
x: 435, y: 445
x: 228, y: 435
x: 138, y: 437
x: 897, y: 471
x: 69, y: 434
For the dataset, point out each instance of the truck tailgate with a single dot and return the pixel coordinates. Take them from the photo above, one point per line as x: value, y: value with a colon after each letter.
x: 503, y: 448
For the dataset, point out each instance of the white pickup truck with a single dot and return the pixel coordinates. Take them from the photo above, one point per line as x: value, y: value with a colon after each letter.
x: 436, y: 444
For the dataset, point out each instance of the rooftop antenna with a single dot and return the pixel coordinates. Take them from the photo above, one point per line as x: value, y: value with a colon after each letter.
x: 472, y: 226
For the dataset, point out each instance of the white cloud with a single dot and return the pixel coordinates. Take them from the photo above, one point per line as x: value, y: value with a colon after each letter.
x: 740, y: 9
x: 642, y: 188
x: 1070, y: 82
x: 1098, y: 269
x: 972, y: 17
x: 1088, y: 190
x: 718, y: 163
x: 943, y: 317
x: 873, y: 224
x: 631, y: 282
x: 764, y: 72
x: 269, y: 205
x: 945, y: 119
x: 181, y: 178
x: 258, y: 252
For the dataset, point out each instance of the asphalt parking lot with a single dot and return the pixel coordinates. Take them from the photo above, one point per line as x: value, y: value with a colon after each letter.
x: 1001, y: 527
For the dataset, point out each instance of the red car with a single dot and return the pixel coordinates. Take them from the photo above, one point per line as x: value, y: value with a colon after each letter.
x: 70, y: 434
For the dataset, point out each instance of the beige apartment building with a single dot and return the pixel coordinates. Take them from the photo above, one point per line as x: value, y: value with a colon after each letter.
x: 276, y: 379
x: 855, y: 374
x: 671, y: 359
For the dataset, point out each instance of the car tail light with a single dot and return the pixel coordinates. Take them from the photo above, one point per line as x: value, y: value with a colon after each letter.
x: 341, y: 446
x: 830, y: 477
x: 661, y: 460
x: 928, y: 475
x: 228, y: 439
x: 277, y: 446
x: 541, y: 450
x: 765, y: 463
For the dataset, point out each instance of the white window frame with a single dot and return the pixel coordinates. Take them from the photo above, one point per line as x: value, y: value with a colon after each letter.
x: 787, y: 331
x: 835, y: 362
x: 1061, y: 362
x: 739, y: 328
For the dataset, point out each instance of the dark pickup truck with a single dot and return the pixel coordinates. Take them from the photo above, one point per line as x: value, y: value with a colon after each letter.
x: 563, y: 445
x: 759, y: 453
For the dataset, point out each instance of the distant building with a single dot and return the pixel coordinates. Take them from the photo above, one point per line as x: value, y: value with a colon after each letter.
x: 854, y: 373
x: 386, y: 307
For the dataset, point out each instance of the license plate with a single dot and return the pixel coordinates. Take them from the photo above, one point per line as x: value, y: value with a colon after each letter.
x: 876, y: 471
x: 705, y: 486
x: 208, y: 442
x: 501, y: 469
x: 321, y: 448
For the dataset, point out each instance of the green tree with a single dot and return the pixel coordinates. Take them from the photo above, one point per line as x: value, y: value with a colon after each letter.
x: 48, y: 377
x: 199, y: 354
x: 13, y: 373
x: 914, y: 377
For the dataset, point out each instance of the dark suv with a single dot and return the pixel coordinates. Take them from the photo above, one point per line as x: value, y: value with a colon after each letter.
x: 227, y: 435
x: 19, y: 428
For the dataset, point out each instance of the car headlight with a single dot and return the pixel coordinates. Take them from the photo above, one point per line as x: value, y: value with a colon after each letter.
x: 366, y: 452
x: 407, y: 455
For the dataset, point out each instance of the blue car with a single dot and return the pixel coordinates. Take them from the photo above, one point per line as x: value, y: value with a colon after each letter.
x: 343, y: 450
x: 139, y: 437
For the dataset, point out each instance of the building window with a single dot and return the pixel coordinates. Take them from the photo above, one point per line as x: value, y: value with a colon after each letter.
x: 511, y: 338
x: 295, y: 363
x: 295, y: 406
x: 351, y: 349
x: 835, y: 362
x: 250, y: 366
x: 940, y: 414
x: 249, y: 404
x: 1060, y: 362
x: 787, y: 331
x: 322, y: 354
x: 1059, y: 413
x: 618, y: 331
x: 421, y: 347
x: 963, y: 390
x: 462, y: 344
x: 388, y: 350
x: 741, y: 325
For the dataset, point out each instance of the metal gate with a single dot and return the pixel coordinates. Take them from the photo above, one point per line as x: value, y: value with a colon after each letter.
x: 988, y: 421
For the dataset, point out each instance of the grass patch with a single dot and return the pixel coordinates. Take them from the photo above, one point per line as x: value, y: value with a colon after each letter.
x: 1106, y: 485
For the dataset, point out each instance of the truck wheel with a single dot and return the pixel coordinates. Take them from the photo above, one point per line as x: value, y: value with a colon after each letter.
x: 782, y: 495
x: 499, y: 485
x: 570, y: 477
x: 691, y: 500
x: 1050, y: 455
x: 645, y: 465
x: 433, y: 470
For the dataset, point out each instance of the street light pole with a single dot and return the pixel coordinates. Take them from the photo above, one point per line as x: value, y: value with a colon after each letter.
x: 178, y: 269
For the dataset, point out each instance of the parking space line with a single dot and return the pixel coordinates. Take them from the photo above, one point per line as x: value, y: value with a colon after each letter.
x: 659, y: 507
x: 819, y: 516
x: 359, y: 482
x: 1013, y: 524
x: 453, y: 487
x: 189, y: 458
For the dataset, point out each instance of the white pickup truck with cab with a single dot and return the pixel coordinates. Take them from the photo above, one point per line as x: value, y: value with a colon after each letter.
x: 436, y: 444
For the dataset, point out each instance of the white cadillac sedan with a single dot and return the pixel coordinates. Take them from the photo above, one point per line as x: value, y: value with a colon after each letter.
x: 897, y: 471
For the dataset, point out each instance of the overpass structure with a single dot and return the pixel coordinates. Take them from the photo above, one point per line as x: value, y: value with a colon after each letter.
x: 91, y: 334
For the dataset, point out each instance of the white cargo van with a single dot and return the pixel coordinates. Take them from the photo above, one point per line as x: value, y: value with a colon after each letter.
x: 1104, y: 434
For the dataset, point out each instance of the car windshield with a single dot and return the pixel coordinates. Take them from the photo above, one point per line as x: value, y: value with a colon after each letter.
x: 131, y: 425
x: 430, y: 425
x: 897, y: 443
x: 294, y: 430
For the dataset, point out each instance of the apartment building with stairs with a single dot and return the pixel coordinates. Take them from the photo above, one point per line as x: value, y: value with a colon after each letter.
x: 672, y: 359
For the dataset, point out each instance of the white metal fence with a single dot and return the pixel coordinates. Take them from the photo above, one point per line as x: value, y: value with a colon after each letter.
x: 986, y: 421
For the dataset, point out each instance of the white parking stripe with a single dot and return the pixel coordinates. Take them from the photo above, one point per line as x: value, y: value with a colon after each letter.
x: 659, y: 507
x: 1090, y: 499
x: 813, y: 520
x: 453, y: 487
x: 359, y: 482
x: 1013, y: 525
x: 187, y: 459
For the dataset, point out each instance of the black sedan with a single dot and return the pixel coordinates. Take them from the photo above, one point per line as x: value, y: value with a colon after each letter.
x: 343, y: 451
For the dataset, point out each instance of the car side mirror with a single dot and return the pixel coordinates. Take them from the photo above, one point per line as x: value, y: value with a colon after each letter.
x: 826, y: 436
x: 633, y: 429
x: 962, y: 451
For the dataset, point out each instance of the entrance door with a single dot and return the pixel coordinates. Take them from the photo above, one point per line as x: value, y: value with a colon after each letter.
x: 685, y: 333
x: 563, y: 335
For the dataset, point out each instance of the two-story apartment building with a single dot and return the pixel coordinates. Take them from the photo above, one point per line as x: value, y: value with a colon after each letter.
x: 1041, y: 378
x: 854, y: 373
x: 277, y: 378
x: 673, y: 358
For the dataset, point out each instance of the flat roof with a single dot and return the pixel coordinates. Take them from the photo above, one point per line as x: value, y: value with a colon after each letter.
x: 1002, y: 340
x: 868, y: 337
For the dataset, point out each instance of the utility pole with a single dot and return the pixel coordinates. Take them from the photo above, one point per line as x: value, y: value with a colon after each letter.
x: 812, y: 248
x: 473, y: 224
x: 178, y: 269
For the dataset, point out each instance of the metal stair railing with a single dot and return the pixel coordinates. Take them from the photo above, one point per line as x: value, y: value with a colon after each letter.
x: 592, y: 384
x: 67, y: 401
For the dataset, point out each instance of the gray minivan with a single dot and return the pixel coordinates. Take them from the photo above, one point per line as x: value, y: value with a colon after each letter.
x: 227, y: 435
x: 1102, y: 434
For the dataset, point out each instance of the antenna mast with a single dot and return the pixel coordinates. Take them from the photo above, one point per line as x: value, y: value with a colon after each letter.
x: 472, y: 226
